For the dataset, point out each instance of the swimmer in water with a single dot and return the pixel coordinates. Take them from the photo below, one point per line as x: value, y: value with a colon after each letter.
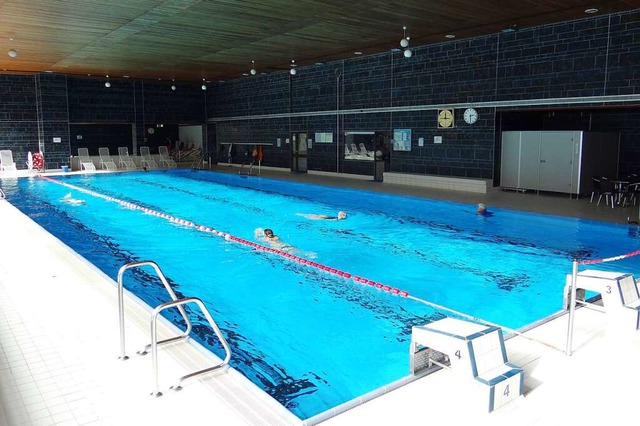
x: 482, y: 210
x: 70, y: 200
x: 341, y: 216
x: 274, y: 241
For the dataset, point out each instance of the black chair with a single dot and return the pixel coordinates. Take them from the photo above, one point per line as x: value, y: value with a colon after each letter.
x: 608, y: 189
x: 631, y: 193
x: 595, y: 184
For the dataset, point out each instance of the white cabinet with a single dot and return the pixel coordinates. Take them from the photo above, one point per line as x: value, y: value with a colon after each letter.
x: 557, y: 161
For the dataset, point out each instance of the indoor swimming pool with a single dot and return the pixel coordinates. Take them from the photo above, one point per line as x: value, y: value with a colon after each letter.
x: 311, y: 338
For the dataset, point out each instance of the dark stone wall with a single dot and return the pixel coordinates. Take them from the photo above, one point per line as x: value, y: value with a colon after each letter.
x: 18, y: 116
x: 534, y: 78
x: 562, y: 64
x: 49, y: 111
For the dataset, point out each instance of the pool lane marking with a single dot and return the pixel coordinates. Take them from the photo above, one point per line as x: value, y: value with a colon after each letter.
x: 229, y: 237
x: 608, y: 259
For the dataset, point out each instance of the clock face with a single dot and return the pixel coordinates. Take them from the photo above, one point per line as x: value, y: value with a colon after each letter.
x: 445, y: 118
x: 470, y: 115
x: 151, y: 130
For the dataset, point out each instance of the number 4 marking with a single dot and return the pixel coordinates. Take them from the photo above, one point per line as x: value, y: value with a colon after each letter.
x: 506, y: 391
x: 458, y: 354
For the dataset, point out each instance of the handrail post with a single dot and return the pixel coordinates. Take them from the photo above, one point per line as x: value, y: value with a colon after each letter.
x: 572, y: 307
x: 154, y: 351
x: 167, y: 287
x: 154, y: 341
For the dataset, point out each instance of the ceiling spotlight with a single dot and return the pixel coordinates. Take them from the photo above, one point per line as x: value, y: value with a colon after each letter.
x: 173, y: 84
x: 293, y: 69
x: 107, y: 84
x: 253, y: 68
x: 12, y: 53
x: 204, y: 86
x: 408, y: 53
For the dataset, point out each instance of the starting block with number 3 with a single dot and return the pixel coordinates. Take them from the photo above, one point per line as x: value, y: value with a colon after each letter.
x: 476, y: 351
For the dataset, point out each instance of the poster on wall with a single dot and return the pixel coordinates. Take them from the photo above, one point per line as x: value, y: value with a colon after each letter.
x: 402, y: 140
x: 324, y: 137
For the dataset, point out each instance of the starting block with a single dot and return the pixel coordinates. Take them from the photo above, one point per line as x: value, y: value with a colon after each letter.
x: 476, y: 351
x: 619, y: 292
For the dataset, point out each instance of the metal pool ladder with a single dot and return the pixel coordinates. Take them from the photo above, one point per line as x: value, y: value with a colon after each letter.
x: 175, y: 302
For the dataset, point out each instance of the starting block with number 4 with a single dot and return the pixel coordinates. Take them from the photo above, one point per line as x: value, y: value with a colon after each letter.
x: 475, y: 351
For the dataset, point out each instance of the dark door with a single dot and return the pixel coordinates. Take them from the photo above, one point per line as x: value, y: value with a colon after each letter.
x: 299, y: 152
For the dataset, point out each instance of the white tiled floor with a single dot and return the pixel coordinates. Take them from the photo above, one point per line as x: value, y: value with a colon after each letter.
x: 59, y: 348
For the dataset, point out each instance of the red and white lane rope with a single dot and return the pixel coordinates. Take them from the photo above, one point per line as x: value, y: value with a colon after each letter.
x: 229, y: 237
x: 608, y: 259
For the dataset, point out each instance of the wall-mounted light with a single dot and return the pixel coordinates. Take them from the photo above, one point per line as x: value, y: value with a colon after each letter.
x: 204, y: 86
x: 404, y: 43
x: 173, y: 84
x: 293, y: 67
x: 12, y: 53
x: 405, y: 40
x: 107, y: 83
x: 253, y: 68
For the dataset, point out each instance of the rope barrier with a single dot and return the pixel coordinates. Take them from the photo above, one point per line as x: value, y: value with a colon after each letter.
x: 232, y: 238
x: 608, y: 259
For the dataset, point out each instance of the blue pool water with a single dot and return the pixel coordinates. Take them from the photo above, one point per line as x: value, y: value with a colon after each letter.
x: 311, y: 339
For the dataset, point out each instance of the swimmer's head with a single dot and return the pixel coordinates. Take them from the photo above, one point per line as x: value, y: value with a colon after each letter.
x: 342, y: 215
x: 481, y: 208
x: 268, y: 233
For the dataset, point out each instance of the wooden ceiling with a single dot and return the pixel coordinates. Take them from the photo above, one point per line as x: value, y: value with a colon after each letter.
x: 188, y: 40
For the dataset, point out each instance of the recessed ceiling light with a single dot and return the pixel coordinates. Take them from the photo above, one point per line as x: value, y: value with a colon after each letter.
x: 591, y: 10
x: 450, y: 36
x: 125, y: 76
x: 357, y: 53
x: 245, y: 74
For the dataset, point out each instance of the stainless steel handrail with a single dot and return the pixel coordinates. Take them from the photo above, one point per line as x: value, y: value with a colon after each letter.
x: 173, y: 296
x: 154, y: 343
x: 2, y: 194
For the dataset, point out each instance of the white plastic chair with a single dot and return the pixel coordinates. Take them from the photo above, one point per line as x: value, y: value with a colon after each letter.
x: 165, y: 158
x: 147, y: 161
x: 105, y: 159
x: 6, y: 161
x: 85, y: 160
x: 124, y: 159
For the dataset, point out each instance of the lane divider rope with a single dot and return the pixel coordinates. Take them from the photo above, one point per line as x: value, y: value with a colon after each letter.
x: 229, y: 237
x: 609, y: 259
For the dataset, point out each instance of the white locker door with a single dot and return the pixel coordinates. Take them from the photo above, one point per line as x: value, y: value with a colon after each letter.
x: 556, y: 161
x: 510, y: 160
x: 530, y: 160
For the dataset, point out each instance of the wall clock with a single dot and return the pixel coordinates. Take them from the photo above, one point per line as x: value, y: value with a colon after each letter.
x: 470, y: 115
x: 151, y: 130
x: 445, y: 118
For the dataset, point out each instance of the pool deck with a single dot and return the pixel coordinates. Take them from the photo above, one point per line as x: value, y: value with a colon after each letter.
x: 59, y: 348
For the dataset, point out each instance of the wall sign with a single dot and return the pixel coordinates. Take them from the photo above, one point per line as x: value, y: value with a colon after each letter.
x: 402, y: 140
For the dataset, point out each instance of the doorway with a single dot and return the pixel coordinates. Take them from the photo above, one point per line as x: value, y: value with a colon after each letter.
x: 299, y: 152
